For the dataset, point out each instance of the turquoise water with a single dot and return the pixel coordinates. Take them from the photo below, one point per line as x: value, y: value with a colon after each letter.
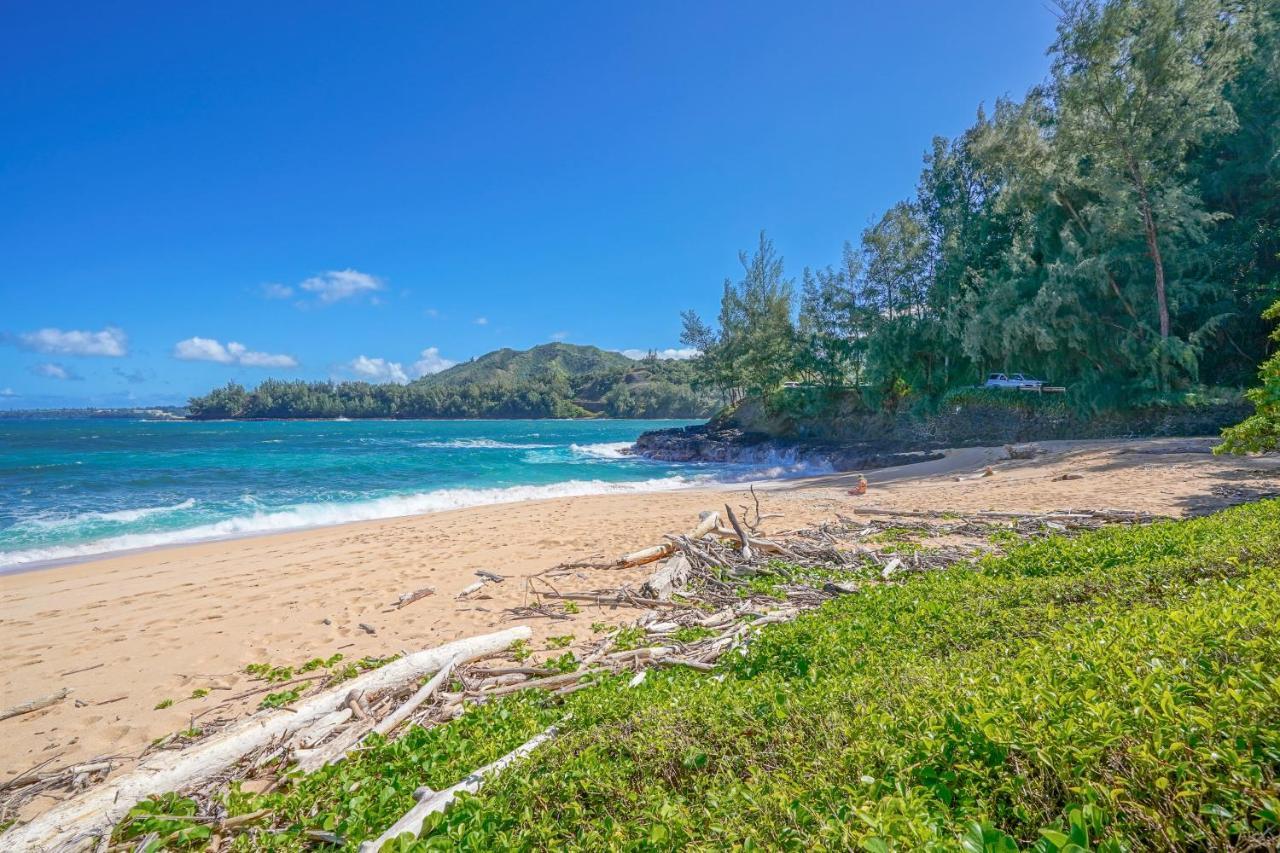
x: 76, y: 488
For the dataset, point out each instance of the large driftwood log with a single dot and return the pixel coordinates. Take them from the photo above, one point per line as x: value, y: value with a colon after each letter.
x: 708, y: 523
x: 412, y: 821
x: 673, y: 576
x: 73, y: 824
x: 423, y: 693
x: 35, y: 704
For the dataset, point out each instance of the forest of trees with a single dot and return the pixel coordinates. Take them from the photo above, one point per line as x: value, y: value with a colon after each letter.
x: 649, y: 388
x: 1117, y: 231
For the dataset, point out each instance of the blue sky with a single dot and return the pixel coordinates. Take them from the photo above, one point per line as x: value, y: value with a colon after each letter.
x: 199, y: 192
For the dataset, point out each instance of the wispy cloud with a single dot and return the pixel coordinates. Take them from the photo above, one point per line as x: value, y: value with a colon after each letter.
x: 8, y: 392
x: 669, y: 354
x: 275, y: 290
x: 338, y: 285
x: 430, y: 361
x: 111, y: 341
x: 482, y: 321
x: 378, y: 369
x: 50, y: 370
x: 208, y: 349
x: 433, y: 313
x: 559, y: 336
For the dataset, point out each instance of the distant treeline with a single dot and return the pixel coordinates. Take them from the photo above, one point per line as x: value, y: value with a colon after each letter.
x: 1117, y: 231
x: 652, y: 389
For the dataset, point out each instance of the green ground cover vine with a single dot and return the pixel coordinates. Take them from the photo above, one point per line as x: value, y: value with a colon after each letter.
x: 1119, y: 690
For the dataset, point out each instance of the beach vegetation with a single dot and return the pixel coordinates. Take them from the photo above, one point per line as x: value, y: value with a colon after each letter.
x: 1260, y: 432
x: 163, y: 703
x: 281, y: 698
x: 566, y: 662
x: 1112, y: 691
x: 559, y: 642
x: 520, y: 651
x: 629, y: 637
x: 691, y: 633
x: 166, y: 821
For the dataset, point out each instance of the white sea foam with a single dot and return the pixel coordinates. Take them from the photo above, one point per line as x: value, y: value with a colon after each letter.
x: 324, y: 514
x: 482, y: 443
x: 605, y: 450
x: 120, y: 516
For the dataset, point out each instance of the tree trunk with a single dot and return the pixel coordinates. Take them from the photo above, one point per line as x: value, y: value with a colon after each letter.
x: 1153, y: 247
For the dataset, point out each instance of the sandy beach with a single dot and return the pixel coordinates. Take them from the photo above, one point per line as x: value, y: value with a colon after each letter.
x: 128, y: 632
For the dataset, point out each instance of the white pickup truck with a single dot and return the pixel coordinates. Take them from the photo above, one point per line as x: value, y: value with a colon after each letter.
x: 1011, y: 380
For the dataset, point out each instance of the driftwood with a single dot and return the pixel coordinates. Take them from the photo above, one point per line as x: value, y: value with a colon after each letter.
x: 402, y: 713
x: 412, y: 820
x: 741, y: 534
x: 768, y: 546
x: 717, y: 563
x: 411, y: 597
x: 708, y: 523
x: 92, y: 814
x: 673, y: 575
x: 35, y: 704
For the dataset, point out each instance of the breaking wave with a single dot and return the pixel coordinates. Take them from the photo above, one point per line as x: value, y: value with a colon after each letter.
x: 480, y: 443
x: 303, y: 516
x: 121, y: 516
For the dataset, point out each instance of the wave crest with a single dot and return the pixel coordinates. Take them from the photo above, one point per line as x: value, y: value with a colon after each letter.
x: 479, y: 443
x: 120, y: 516
x: 304, y: 516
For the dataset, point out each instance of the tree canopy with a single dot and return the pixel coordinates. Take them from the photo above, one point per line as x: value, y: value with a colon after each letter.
x: 552, y: 381
x: 1116, y: 231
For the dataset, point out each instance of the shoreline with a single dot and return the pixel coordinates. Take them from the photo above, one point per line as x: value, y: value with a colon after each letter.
x: 608, y: 487
x: 127, y: 632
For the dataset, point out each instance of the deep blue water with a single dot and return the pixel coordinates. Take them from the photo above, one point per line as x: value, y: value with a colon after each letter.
x: 74, y: 488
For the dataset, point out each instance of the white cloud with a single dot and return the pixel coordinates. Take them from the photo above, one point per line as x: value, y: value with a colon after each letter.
x: 433, y: 313
x: 482, y: 321
x: 109, y: 342
x: 8, y: 392
x: 275, y: 290
x: 378, y: 369
x: 208, y: 349
x: 202, y: 349
x: 559, y: 336
x: 678, y: 354
x: 337, y: 285
x: 55, y: 371
x: 249, y: 358
x: 431, y: 361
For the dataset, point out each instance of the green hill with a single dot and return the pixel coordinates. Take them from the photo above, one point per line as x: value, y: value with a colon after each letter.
x: 547, y: 381
x: 510, y: 367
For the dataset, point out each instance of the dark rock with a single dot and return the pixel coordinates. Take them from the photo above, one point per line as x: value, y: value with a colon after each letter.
x: 729, y: 445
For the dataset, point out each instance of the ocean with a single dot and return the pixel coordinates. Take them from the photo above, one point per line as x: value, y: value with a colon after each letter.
x: 77, y: 488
